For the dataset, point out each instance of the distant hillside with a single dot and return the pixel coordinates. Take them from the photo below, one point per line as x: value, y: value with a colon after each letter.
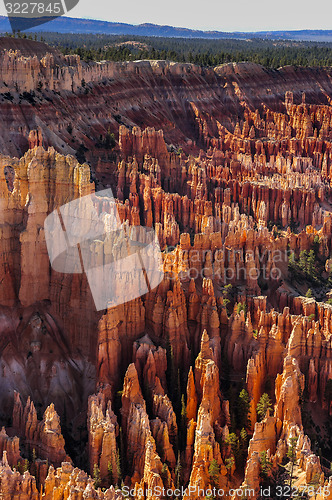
x: 74, y: 25
x: 28, y: 48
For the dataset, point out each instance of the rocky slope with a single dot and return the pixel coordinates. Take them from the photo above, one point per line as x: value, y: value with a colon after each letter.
x: 232, y: 168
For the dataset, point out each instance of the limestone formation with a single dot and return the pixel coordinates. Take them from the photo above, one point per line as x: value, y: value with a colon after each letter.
x: 235, y: 180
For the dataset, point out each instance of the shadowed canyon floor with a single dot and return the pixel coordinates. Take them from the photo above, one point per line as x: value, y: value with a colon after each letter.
x: 221, y: 376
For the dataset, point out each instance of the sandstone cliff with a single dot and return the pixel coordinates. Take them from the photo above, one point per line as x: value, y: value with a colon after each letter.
x: 145, y: 394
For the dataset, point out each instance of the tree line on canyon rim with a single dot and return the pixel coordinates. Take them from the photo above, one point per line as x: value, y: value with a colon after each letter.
x: 269, y: 53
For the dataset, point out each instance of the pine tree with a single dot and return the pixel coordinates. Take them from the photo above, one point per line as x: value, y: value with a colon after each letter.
x: 233, y: 441
x: 109, y: 141
x: 214, y: 473
x: 303, y: 261
x: 311, y: 264
x: 229, y: 464
x: 291, y: 455
x: 110, y: 473
x: 316, y: 244
x: 266, y: 464
x: 244, y: 438
x: 243, y: 409
x: 178, y: 472
x: 118, y: 466
x: 96, y: 476
x: 263, y: 405
x: 242, y: 306
x: 163, y: 474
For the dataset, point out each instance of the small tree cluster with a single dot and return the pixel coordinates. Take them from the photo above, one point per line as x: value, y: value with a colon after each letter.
x: 242, y: 306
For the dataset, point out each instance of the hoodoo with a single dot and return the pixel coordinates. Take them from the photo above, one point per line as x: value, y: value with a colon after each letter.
x: 218, y: 378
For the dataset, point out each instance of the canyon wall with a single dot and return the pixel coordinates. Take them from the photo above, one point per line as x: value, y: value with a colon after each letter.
x: 232, y: 168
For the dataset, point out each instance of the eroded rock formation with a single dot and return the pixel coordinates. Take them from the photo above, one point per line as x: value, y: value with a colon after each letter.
x: 236, y: 183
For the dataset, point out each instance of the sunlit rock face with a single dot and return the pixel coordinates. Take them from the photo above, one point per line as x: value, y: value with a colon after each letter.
x: 231, y: 166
